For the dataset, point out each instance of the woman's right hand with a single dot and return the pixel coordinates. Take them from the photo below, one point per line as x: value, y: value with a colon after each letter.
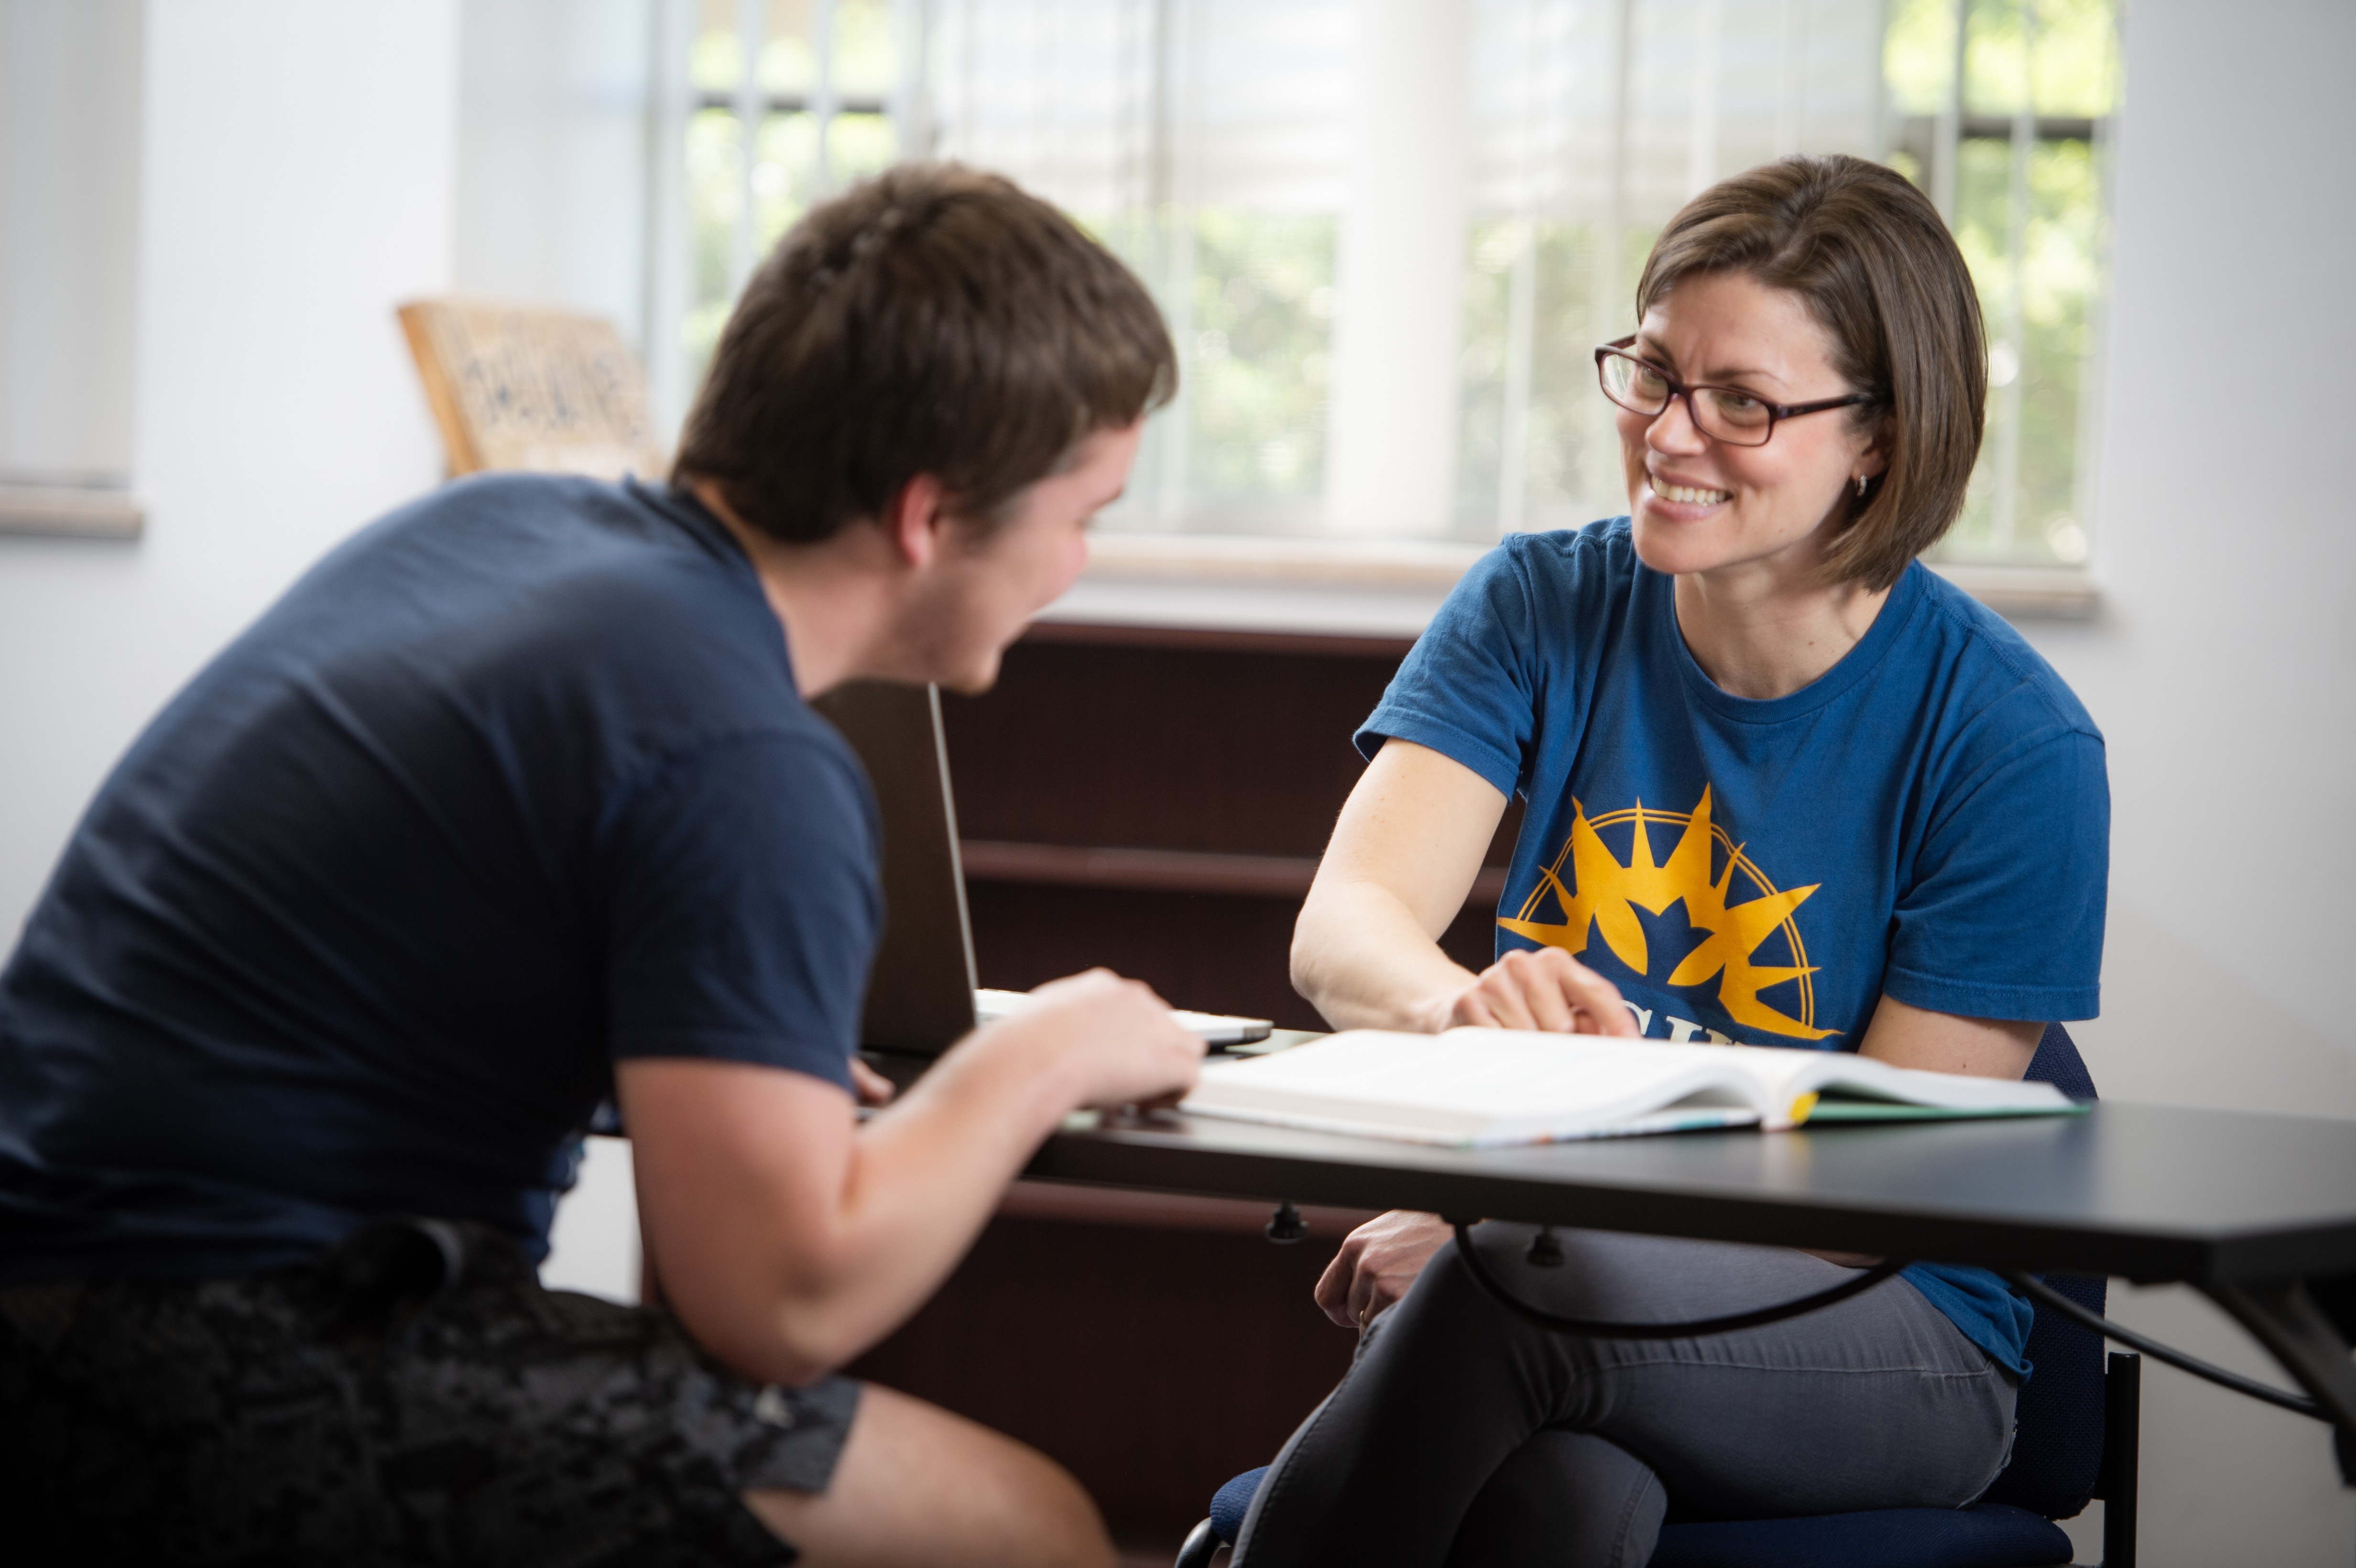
x: 1544, y: 989
x: 1378, y: 1263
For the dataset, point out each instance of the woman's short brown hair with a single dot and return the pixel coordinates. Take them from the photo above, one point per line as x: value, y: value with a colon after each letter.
x: 932, y: 320
x: 1878, y: 269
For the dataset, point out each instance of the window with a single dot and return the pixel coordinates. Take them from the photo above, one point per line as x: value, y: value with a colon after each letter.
x: 1208, y: 142
x: 1386, y: 233
x: 69, y: 190
x: 2005, y: 108
x: 1599, y: 120
x: 788, y: 100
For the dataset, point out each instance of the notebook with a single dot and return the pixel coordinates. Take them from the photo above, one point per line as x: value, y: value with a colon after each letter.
x: 923, y: 996
x: 1475, y: 1088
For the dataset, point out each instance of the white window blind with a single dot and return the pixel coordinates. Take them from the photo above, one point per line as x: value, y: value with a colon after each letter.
x: 1388, y: 234
x: 69, y: 80
x: 764, y: 107
x: 1209, y: 142
x: 1595, y: 122
x: 2002, y: 110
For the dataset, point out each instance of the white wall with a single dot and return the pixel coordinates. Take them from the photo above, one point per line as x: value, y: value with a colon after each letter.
x: 296, y: 184
x: 301, y: 177
x: 1390, y: 465
x: 552, y: 192
x: 69, y: 183
x: 2223, y: 667
x: 2223, y: 674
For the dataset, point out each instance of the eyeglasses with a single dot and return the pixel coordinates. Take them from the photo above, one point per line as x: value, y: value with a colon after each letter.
x: 1722, y: 413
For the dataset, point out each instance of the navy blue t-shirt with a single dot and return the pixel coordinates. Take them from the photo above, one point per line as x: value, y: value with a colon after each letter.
x: 514, y: 783
x: 1929, y: 818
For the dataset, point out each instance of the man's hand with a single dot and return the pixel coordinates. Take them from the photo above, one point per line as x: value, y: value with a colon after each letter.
x: 1378, y: 1263
x: 875, y: 1090
x: 1542, y: 989
x: 1114, y: 1038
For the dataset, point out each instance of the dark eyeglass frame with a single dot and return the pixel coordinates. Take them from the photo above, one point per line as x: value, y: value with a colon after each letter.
x: 1776, y: 412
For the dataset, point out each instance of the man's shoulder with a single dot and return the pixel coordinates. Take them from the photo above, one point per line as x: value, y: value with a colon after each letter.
x: 534, y: 531
x: 622, y: 603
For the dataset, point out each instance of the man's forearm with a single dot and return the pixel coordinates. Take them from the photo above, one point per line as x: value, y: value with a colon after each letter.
x: 789, y: 1238
x: 927, y: 1175
x: 922, y: 1177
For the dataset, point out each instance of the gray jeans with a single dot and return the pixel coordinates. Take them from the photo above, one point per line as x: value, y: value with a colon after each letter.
x: 1465, y: 1434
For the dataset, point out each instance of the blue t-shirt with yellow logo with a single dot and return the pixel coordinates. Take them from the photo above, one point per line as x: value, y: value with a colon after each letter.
x: 1929, y: 818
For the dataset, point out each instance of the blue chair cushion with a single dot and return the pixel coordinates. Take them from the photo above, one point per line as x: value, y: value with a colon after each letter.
x: 1990, y: 1535
x: 1234, y: 1501
x: 2058, y: 1450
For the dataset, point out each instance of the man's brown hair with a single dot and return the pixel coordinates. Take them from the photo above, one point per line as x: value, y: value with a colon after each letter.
x: 932, y: 320
x: 1878, y: 269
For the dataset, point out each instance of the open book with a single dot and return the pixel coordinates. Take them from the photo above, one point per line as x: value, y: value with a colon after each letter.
x: 1483, y: 1087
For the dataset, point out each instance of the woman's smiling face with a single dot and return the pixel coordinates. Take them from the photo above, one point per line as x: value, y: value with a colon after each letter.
x: 1700, y: 504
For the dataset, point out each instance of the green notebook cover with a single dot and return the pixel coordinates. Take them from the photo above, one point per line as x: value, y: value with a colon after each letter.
x: 1829, y: 1109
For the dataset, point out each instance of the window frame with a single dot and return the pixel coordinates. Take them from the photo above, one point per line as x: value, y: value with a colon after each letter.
x: 1148, y: 546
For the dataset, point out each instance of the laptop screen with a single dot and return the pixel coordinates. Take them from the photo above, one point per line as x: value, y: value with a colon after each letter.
x: 920, y: 992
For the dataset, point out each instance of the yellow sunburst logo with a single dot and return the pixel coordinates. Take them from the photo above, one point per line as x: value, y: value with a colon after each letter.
x: 1605, y: 895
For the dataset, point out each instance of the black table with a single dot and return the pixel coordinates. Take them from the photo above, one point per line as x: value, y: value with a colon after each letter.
x: 2239, y: 1206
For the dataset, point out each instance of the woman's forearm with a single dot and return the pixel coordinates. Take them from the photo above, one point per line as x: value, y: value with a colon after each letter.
x: 1365, y: 951
x: 1365, y: 960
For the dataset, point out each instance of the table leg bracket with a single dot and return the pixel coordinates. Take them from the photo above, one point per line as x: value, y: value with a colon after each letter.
x: 2281, y: 1315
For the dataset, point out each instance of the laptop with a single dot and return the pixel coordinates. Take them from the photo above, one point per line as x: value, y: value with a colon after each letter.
x: 923, y: 994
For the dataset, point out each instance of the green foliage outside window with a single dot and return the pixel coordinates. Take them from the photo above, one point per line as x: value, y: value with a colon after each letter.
x: 785, y: 174
x: 2033, y: 230
x: 2074, y: 70
x: 1258, y: 351
x: 1251, y: 293
x: 714, y: 155
x: 1570, y: 456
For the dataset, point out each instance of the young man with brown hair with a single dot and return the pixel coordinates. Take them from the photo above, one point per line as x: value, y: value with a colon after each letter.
x: 512, y: 803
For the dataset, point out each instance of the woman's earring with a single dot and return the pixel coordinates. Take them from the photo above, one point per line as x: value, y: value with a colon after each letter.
x: 1860, y: 486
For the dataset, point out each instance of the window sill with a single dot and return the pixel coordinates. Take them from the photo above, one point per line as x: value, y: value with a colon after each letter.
x: 1412, y: 564
x: 1392, y: 586
x: 1231, y: 584
x: 2026, y: 593
x: 68, y: 513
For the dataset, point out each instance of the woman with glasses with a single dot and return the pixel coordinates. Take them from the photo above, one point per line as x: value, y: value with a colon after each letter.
x: 1783, y: 787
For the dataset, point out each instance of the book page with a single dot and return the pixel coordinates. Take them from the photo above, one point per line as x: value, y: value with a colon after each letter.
x: 1472, y: 1081
x: 1787, y: 1077
x: 1486, y: 1087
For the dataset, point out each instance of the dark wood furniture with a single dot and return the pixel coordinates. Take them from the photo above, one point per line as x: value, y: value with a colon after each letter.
x: 1155, y: 801
x: 1152, y: 1344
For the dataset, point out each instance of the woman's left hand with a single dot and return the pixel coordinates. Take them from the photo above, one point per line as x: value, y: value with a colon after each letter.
x: 1378, y: 1263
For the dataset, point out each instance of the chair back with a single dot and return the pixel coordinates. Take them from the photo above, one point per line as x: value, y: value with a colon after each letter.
x: 2057, y: 1450
x: 532, y: 388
